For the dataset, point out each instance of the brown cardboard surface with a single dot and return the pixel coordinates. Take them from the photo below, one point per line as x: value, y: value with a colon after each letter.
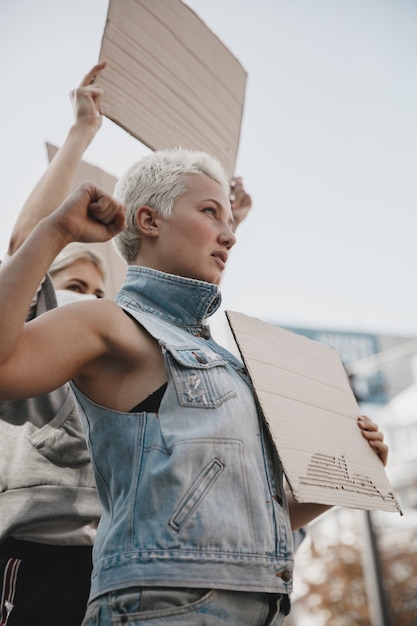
x: 170, y: 81
x: 114, y: 264
x: 312, y: 413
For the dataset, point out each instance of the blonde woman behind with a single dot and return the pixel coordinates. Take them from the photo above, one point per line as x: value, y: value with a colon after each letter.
x: 78, y: 272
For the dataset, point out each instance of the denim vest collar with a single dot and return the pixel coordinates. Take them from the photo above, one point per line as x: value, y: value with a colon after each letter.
x: 182, y: 301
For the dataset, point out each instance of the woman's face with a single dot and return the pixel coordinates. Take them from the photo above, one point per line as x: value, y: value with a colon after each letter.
x: 81, y: 276
x: 195, y: 242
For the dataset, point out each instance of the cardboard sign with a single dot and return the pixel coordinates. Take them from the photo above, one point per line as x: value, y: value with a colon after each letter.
x: 114, y: 264
x: 311, y: 412
x: 170, y: 81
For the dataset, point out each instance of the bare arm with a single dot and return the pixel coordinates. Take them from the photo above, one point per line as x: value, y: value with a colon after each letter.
x: 303, y: 513
x: 57, y: 181
x: 38, y: 356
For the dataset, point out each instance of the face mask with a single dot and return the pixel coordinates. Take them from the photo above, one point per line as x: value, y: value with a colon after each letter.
x: 66, y: 296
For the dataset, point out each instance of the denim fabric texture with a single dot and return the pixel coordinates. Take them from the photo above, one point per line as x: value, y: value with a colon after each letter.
x: 176, y: 607
x: 192, y: 496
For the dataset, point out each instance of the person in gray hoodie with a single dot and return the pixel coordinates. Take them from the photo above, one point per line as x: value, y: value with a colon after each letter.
x: 49, y: 508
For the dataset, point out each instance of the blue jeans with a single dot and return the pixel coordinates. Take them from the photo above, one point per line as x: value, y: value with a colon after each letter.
x: 165, y: 606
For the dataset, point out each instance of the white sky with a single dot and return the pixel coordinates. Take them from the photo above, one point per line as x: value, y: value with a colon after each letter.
x: 328, y: 147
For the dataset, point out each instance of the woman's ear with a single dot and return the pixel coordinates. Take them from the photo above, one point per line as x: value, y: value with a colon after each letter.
x: 147, y: 221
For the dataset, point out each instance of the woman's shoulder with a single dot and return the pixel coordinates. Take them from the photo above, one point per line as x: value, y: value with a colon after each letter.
x: 117, y: 327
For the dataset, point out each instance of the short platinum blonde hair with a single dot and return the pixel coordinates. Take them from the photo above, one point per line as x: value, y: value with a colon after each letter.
x: 74, y: 252
x: 157, y: 181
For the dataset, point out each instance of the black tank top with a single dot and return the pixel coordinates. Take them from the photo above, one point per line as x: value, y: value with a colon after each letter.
x: 151, y: 403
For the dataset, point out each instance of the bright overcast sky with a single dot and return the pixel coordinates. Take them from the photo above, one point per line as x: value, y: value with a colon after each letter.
x: 328, y: 147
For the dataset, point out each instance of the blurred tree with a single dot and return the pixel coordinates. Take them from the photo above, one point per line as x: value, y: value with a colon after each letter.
x: 333, y: 590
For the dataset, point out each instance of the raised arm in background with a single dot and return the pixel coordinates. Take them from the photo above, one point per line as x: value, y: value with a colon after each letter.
x: 56, y: 183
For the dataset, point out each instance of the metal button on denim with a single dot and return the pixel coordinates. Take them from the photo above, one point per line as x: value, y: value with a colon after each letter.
x: 285, y: 575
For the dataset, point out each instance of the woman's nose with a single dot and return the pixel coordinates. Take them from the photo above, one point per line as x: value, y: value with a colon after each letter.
x: 227, y: 237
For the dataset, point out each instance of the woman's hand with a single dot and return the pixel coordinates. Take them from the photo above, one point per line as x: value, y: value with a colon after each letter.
x: 57, y: 181
x: 86, y: 100
x: 374, y: 436
x: 89, y: 215
x: 240, y: 201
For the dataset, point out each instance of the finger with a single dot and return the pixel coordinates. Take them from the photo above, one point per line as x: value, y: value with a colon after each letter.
x: 235, y: 180
x: 105, y: 209
x: 119, y: 223
x: 102, y: 211
x: 366, y: 423
x: 236, y: 189
x: 90, y: 77
x: 244, y: 198
x: 110, y: 225
x: 94, y: 90
x: 373, y: 436
x: 92, y: 94
x: 94, y: 192
x: 381, y: 449
x: 370, y: 430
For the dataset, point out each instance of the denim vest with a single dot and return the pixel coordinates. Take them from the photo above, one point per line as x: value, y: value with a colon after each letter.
x: 192, y: 496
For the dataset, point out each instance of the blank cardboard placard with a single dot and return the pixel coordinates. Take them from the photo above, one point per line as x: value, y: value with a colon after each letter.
x: 311, y: 412
x: 114, y: 264
x: 170, y: 81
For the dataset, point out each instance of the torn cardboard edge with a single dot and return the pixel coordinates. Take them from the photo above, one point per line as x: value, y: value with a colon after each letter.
x: 311, y: 412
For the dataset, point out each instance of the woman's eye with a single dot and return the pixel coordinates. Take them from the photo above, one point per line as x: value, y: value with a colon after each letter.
x: 210, y: 209
x: 76, y: 288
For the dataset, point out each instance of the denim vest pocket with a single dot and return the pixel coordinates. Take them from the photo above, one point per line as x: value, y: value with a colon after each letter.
x: 200, y: 377
x: 61, y: 441
x: 196, y: 493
